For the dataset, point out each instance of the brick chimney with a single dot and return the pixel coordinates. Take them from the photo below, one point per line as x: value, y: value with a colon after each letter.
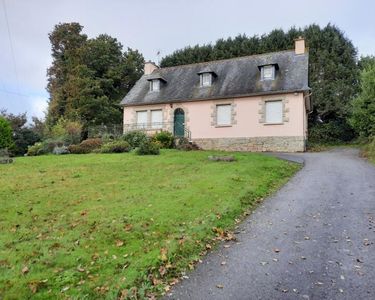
x: 299, y: 45
x: 150, y: 67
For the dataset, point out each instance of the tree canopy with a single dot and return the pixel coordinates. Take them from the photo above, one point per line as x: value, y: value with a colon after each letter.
x: 6, y: 140
x: 363, y: 116
x: 88, y: 77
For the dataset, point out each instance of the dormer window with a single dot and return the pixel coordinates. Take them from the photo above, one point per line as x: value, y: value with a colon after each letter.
x: 154, y: 85
x: 206, y: 79
x: 268, y: 72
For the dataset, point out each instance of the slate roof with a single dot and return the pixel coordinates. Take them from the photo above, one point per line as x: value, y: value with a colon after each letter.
x: 236, y: 77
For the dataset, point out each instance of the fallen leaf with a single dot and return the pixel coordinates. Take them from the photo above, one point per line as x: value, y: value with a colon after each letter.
x: 119, y: 243
x: 208, y: 246
x: 156, y: 281
x: 128, y: 227
x: 163, y: 254
x: 33, y: 286
x: 162, y: 271
x: 80, y: 269
x: 25, y: 270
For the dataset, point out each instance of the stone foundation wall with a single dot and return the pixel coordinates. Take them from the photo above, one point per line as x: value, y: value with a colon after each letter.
x: 256, y: 144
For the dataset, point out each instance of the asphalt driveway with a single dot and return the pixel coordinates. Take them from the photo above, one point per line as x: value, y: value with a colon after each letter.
x: 315, y: 239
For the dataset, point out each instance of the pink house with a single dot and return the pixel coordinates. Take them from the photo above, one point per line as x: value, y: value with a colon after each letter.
x: 251, y: 103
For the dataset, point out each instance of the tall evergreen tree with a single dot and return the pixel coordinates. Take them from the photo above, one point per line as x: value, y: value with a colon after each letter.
x: 97, y: 74
x: 66, y: 40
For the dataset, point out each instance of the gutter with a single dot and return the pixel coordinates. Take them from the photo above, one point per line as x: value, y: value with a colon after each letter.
x: 215, y: 98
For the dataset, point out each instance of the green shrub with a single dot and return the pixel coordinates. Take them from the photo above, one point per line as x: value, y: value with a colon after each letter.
x: 148, y: 147
x: 50, y: 144
x: 37, y: 149
x: 331, y: 132
x: 77, y: 149
x: 91, y: 144
x: 6, y: 139
x: 135, y: 138
x: 363, y: 112
x: 86, y: 146
x: 116, y: 147
x: 165, y: 138
x: 69, y: 131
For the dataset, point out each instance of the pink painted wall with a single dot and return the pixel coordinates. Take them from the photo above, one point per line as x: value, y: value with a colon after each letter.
x: 198, y: 116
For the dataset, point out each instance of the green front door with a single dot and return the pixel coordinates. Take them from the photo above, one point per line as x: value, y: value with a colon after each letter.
x: 179, y: 122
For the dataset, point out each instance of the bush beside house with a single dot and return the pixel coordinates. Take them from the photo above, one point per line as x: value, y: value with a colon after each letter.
x: 6, y: 139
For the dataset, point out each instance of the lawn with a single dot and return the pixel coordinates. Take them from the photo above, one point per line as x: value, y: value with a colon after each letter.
x: 102, y: 226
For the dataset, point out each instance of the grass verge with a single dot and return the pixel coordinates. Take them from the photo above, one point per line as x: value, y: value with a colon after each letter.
x: 113, y: 226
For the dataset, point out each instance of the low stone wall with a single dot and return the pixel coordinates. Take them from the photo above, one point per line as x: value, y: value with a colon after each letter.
x: 256, y: 144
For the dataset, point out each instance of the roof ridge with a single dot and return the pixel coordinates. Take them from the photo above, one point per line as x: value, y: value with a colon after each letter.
x: 224, y: 59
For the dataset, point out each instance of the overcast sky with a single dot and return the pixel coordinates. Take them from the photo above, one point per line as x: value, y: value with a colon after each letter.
x: 151, y: 26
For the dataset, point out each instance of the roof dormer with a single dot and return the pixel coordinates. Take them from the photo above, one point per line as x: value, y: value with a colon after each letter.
x: 206, y: 77
x: 156, y: 82
x: 268, y: 72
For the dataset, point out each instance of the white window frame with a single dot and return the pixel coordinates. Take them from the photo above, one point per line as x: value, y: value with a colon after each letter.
x: 268, y: 110
x: 143, y: 124
x: 270, y: 68
x: 228, y: 119
x: 155, y: 85
x: 158, y: 124
x: 205, y: 79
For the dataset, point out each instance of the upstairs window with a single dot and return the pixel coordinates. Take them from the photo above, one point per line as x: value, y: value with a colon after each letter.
x: 154, y: 85
x: 206, y: 79
x: 274, y: 112
x: 268, y: 72
x: 224, y: 115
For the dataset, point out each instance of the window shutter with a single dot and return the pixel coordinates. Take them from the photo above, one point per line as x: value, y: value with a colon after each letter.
x: 274, y: 112
x: 224, y: 114
x: 156, y: 118
x: 141, y: 119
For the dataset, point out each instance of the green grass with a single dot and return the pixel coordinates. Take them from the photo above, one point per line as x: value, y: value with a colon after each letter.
x: 91, y: 226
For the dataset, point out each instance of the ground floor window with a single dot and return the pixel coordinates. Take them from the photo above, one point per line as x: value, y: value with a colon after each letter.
x: 274, y: 111
x: 224, y: 115
x: 157, y: 119
x: 141, y: 119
